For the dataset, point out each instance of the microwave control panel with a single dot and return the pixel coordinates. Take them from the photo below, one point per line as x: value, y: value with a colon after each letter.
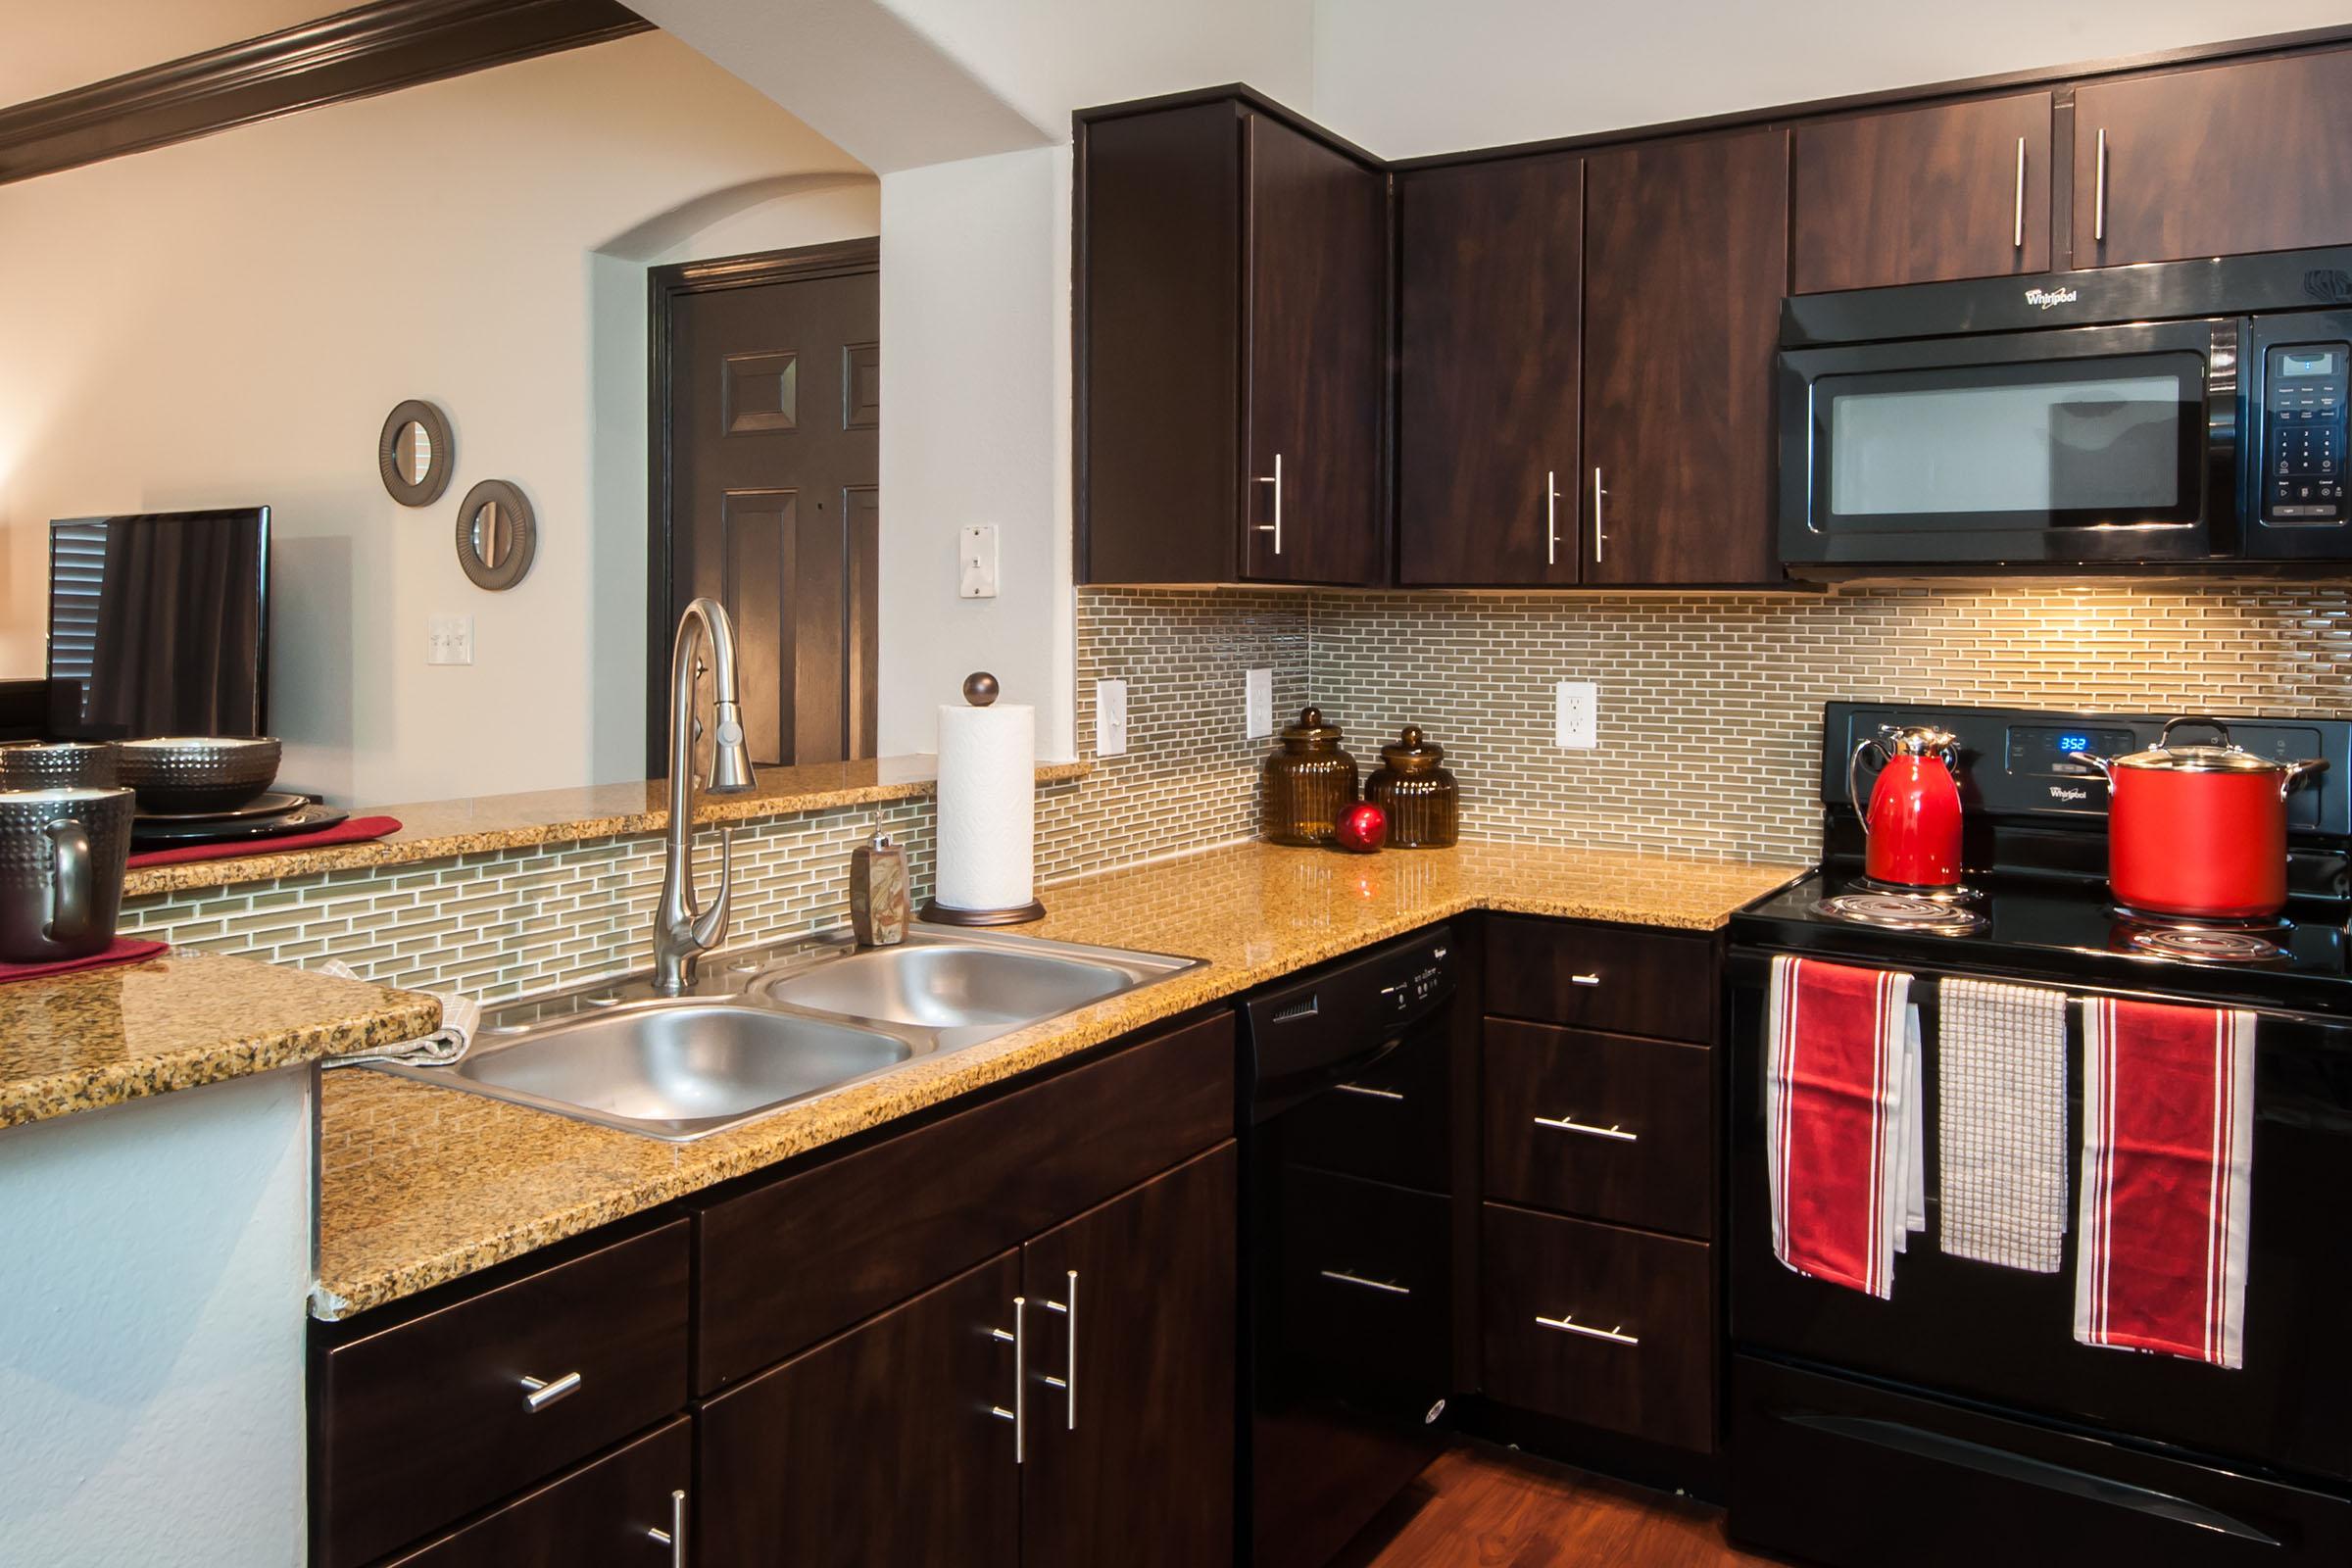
x: 2303, y: 433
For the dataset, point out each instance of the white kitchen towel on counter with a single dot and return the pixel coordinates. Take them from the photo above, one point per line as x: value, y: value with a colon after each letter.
x: 987, y: 806
x: 2001, y: 1128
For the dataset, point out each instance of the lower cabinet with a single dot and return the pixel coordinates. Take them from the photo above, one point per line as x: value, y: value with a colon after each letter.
x: 629, y: 1507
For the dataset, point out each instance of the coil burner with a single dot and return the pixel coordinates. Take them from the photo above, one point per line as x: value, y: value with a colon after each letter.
x: 1904, y: 912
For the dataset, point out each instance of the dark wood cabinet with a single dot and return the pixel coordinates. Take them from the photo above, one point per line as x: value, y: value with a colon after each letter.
x: 618, y: 1509
x: 1918, y: 195
x: 1232, y: 349
x: 1607, y: 1126
x: 2214, y: 161
x: 1613, y: 977
x: 1686, y: 255
x: 1491, y: 274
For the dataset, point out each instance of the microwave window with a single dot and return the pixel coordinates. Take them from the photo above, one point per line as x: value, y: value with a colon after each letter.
x: 2036, y: 447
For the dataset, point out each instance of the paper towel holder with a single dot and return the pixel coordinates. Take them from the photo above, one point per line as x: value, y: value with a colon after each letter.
x: 980, y: 689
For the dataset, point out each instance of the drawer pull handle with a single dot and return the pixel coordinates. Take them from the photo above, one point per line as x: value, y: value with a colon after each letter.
x: 1569, y: 1325
x: 1069, y: 1384
x: 539, y: 1395
x: 1569, y: 1124
x: 1584, y: 979
x: 1346, y: 1278
x: 674, y: 1538
x: 1372, y: 1094
x: 1019, y: 1415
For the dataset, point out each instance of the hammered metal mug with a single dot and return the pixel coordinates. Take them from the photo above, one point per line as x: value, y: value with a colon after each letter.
x: 50, y: 764
x: 63, y: 853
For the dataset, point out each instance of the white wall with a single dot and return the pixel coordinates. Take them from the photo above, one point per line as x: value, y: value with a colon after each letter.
x: 1406, y: 78
x: 228, y: 320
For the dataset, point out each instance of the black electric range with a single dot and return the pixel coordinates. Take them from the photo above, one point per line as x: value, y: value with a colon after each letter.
x: 1963, y: 1398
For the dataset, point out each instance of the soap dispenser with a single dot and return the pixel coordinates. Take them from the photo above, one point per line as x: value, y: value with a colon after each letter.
x: 879, y: 904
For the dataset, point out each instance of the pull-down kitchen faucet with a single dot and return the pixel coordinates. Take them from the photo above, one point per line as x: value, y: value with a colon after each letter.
x: 682, y: 930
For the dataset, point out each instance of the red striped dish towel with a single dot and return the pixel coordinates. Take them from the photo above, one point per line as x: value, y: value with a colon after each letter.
x: 1841, y: 1106
x: 2168, y: 1164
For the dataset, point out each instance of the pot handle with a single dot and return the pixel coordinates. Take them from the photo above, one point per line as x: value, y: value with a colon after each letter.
x: 2164, y: 736
x: 2296, y: 772
x: 1853, y: 779
x: 72, y: 882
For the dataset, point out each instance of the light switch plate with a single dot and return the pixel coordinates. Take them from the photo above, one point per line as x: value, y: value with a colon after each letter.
x: 448, y: 640
x: 976, y: 561
x: 1576, y: 716
x: 1110, y: 718
x: 1257, y: 703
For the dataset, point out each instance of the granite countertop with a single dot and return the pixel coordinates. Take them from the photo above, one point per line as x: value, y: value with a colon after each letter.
x: 421, y: 1185
x: 80, y: 1042
x: 435, y: 830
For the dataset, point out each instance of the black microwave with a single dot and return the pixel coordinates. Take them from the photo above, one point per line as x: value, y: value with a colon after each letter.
x: 2175, y: 416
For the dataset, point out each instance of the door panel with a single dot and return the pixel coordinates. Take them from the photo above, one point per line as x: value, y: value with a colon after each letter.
x: 1133, y: 1462
x: 1491, y: 272
x: 1687, y: 248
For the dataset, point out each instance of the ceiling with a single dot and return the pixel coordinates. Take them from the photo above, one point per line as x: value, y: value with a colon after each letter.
x: 53, y: 48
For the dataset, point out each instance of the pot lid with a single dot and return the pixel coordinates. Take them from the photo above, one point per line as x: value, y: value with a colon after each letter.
x: 1310, y: 730
x: 1411, y: 754
x: 2201, y: 759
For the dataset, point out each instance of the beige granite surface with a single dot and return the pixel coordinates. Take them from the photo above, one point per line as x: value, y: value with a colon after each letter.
x: 422, y: 1185
x: 181, y: 1020
x: 435, y: 830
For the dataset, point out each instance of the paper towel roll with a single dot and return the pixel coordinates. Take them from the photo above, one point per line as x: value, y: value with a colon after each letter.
x: 987, y: 806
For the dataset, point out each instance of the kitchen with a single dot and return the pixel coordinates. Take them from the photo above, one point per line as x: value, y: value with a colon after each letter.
x: 1618, y: 474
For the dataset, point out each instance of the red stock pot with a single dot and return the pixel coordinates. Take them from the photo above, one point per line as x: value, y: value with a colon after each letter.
x: 2200, y: 830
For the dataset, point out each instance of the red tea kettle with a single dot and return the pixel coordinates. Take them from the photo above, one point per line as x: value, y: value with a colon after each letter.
x: 1911, y: 815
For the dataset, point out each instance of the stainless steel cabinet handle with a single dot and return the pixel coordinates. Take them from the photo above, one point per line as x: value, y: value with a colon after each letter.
x: 1600, y: 534
x: 1068, y: 1383
x: 2098, y: 202
x: 1569, y: 1124
x: 1552, y: 516
x: 539, y: 1395
x: 1344, y: 1277
x: 1592, y: 979
x: 1274, y: 479
x: 1019, y: 1415
x: 1569, y: 1325
x: 674, y: 1538
x: 1370, y: 1094
x: 2017, y: 233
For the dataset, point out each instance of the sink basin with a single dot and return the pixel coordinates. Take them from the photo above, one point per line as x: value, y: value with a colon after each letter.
x: 673, y: 1071
x: 941, y: 985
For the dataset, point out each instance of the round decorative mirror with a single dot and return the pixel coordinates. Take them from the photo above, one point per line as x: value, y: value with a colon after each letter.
x: 497, y: 535
x: 416, y: 453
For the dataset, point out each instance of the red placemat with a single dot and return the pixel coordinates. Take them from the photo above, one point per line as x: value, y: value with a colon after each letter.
x: 359, y: 830
x: 123, y: 950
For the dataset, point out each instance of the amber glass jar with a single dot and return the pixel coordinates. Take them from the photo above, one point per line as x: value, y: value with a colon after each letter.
x: 1305, y: 783
x: 1423, y: 801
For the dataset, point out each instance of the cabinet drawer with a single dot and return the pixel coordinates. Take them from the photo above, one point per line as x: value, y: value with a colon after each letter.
x: 1602, y: 1125
x: 785, y: 1265
x: 1387, y: 1121
x: 604, y: 1512
x: 1601, y: 977
x: 1596, y: 1324
x: 428, y: 1419
x: 1366, y: 1272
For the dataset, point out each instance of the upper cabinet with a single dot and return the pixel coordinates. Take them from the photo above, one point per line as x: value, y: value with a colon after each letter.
x: 1491, y: 276
x: 1921, y: 195
x: 2217, y: 161
x: 1233, y: 331
x: 1685, y: 253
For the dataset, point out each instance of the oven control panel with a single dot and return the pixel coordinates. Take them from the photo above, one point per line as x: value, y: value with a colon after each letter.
x: 2303, y: 425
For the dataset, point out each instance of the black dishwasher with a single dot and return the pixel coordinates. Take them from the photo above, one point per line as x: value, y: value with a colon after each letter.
x: 1346, y: 1244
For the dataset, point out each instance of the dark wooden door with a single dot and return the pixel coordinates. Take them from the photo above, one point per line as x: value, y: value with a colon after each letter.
x: 2216, y: 160
x: 1318, y: 347
x: 1491, y: 274
x: 1917, y: 195
x: 877, y: 1449
x: 604, y: 1512
x: 1130, y: 1396
x: 773, y: 499
x: 1685, y: 253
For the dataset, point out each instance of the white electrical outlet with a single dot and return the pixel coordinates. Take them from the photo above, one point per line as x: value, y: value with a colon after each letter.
x: 1258, y: 704
x: 1576, y: 716
x: 976, y: 561
x: 1110, y: 718
x: 448, y: 640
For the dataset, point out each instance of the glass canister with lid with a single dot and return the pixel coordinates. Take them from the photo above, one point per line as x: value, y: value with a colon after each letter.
x: 1421, y: 797
x: 1304, y: 783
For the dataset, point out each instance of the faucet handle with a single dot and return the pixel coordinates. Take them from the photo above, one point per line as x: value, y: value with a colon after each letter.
x: 709, y: 926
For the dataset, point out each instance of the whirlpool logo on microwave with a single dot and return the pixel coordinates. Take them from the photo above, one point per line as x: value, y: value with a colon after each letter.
x: 2047, y: 297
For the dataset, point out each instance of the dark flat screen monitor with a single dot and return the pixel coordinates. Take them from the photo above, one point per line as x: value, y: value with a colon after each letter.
x: 158, y: 623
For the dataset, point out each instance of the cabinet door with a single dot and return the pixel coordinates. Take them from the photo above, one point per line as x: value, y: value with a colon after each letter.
x: 1916, y: 195
x: 1318, y: 350
x: 1489, y: 272
x: 1129, y: 1328
x: 617, y: 1509
x: 880, y: 1448
x: 2215, y: 162
x: 1686, y: 250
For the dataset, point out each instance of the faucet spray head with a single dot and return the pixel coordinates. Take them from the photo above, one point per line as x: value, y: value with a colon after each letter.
x: 730, y: 758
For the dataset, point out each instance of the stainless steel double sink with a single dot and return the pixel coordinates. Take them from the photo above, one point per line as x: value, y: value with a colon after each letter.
x: 765, y: 1030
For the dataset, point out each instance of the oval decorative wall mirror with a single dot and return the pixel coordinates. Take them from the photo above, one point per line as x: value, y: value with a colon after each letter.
x: 497, y: 535
x: 416, y: 453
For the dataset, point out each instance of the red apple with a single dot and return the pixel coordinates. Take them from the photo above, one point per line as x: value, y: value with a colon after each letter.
x: 1362, y: 828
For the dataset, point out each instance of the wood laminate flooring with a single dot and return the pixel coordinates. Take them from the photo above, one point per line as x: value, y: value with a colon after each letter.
x: 1483, y: 1507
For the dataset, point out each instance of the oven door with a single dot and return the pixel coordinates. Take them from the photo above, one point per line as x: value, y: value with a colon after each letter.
x: 2004, y: 1337
x: 2080, y: 446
